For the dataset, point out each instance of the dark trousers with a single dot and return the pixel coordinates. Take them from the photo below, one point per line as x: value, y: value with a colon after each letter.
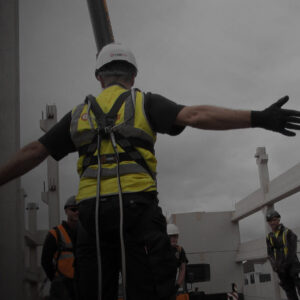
x: 290, y: 283
x: 150, y: 264
x: 62, y: 288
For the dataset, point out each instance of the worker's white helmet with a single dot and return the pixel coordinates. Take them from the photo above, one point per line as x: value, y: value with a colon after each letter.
x: 172, y: 229
x: 112, y: 52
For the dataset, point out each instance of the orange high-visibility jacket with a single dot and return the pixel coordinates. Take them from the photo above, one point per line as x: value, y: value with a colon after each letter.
x: 64, y: 257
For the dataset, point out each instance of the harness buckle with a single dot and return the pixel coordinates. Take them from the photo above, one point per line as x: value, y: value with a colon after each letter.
x: 108, y: 129
x: 104, y: 132
x: 107, y: 160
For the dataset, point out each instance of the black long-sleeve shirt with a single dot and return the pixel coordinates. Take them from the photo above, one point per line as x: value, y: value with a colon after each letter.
x: 49, y: 249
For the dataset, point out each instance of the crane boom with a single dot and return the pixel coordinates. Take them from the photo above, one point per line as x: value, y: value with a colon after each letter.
x: 101, y: 23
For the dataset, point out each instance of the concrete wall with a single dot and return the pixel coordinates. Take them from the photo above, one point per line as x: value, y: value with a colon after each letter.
x: 11, y: 210
x: 261, y: 290
x: 212, y: 238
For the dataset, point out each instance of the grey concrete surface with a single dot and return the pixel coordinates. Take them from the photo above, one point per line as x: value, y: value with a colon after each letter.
x: 11, y: 243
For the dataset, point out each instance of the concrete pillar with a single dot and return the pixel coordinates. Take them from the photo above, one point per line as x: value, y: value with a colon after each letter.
x: 11, y: 242
x: 263, y: 171
x: 51, y: 196
x: 264, y: 179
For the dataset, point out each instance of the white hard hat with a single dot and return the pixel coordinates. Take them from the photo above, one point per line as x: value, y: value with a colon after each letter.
x: 112, y: 52
x: 172, y: 229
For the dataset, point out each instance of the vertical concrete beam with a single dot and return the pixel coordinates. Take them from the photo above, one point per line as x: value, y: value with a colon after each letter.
x: 11, y: 242
x: 263, y: 171
x: 51, y: 197
x: 264, y: 179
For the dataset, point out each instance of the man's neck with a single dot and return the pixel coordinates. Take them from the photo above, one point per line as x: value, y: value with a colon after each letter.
x: 277, y: 228
x: 124, y: 85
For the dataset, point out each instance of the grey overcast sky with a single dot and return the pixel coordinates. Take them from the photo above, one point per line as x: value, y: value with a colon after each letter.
x: 235, y: 53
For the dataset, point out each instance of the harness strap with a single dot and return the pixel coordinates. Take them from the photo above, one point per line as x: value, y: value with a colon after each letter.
x: 105, y: 159
x: 106, y: 122
x: 91, y: 148
x: 284, y: 236
x: 111, y: 172
x: 133, y: 153
x: 275, y: 247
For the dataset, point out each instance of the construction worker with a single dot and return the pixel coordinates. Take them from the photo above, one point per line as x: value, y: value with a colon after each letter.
x: 179, y: 253
x: 125, y: 168
x: 282, y: 254
x: 58, y: 257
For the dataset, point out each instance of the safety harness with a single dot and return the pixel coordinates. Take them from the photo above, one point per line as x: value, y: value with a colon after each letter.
x: 105, y: 124
x: 273, y: 238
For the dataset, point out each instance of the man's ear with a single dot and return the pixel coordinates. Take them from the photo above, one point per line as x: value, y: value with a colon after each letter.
x: 132, y: 80
x: 99, y: 78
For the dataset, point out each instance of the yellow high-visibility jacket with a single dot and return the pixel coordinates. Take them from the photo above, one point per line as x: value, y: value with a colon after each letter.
x: 131, y: 125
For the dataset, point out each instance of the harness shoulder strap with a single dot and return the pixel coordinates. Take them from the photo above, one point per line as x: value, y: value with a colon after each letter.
x: 103, y: 120
x: 96, y: 109
x: 117, y: 105
x: 284, y: 240
x: 270, y: 238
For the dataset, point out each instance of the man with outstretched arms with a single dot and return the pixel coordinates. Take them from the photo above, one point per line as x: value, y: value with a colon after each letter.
x: 114, y: 135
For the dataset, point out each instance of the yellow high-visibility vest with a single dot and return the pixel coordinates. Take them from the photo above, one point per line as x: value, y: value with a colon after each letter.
x: 284, y: 235
x: 132, y: 124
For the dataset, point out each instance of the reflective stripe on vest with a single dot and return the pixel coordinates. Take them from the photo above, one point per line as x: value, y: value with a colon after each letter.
x: 284, y: 236
x: 64, y: 257
x: 131, y: 123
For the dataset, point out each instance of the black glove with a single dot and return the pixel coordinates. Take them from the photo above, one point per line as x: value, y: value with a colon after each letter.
x: 176, y: 288
x: 277, y: 119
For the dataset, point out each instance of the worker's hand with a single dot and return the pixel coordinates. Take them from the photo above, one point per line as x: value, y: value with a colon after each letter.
x: 276, y: 118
